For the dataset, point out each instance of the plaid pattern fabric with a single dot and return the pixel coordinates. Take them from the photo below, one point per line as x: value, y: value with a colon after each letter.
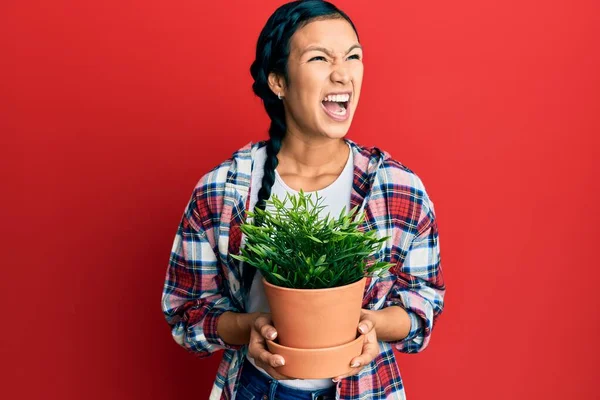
x: 202, y: 280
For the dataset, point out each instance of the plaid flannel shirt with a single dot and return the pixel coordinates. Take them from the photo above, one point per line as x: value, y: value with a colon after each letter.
x: 203, y: 281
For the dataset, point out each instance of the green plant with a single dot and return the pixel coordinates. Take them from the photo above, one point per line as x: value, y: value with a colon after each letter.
x: 293, y: 247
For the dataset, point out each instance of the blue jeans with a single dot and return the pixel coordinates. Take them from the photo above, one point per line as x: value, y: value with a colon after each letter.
x: 255, y: 385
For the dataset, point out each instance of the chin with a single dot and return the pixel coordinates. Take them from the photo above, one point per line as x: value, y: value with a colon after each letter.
x: 336, y: 132
x: 335, y: 135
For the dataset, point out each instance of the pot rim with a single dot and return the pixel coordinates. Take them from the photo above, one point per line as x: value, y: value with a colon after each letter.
x: 364, y: 278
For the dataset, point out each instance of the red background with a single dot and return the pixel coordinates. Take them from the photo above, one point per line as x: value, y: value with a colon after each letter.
x: 111, y: 111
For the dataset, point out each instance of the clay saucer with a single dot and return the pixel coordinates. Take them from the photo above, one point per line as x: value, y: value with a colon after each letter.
x: 321, y: 363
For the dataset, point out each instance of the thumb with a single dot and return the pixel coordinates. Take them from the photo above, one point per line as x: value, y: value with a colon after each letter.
x: 365, y: 325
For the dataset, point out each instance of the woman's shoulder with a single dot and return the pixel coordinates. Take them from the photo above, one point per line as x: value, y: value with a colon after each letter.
x: 388, y: 165
x: 233, y: 170
x: 209, y: 193
x: 228, y: 169
x: 399, y: 173
x: 395, y: 178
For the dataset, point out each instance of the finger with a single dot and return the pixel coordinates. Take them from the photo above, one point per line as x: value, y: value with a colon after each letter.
x: 268, y: 332
x: 365, y: 326
x: 370, y: 350
x: 272, y: 360
x: 353, y: 371
x: 276, y: 375
x: 263, y: 325
x: 269, y: 368
x: 257, y: 347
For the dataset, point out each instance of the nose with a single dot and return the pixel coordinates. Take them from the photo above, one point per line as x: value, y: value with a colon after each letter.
x: 340, y: 75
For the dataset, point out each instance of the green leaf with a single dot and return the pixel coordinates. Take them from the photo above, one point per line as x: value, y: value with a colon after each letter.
x: 315, y: 239
x: 281, y: 278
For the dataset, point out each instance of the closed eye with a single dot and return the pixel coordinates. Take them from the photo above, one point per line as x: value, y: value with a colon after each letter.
x: 354, y: 56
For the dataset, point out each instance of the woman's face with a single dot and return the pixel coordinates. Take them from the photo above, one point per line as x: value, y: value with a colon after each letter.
x: 325, y: 58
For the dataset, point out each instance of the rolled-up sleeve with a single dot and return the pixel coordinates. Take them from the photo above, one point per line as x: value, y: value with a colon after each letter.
x: 193, y: 296
x: 419, y: 285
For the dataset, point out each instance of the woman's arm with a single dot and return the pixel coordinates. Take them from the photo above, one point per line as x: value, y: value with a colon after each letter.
x: 193, y: 297
x: 419, y: 288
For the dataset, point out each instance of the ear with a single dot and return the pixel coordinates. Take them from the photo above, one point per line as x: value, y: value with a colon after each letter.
x: 277, y: 84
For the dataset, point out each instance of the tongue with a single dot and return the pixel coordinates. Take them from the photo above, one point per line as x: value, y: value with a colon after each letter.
x: 333, y: 106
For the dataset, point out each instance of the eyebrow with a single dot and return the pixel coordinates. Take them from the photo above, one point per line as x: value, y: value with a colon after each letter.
x: 326, y: 51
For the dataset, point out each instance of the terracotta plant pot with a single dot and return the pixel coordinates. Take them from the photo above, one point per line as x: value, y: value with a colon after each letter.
x: 317, y: 363
x: 315, y: 318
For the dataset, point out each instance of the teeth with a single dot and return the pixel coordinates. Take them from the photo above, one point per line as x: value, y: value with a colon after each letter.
x: 337, y: 98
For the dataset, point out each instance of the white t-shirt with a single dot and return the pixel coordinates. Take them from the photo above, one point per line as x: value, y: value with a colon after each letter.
x: 335, y: 197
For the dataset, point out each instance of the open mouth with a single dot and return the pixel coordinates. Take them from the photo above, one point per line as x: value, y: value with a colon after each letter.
x: 337, y: 108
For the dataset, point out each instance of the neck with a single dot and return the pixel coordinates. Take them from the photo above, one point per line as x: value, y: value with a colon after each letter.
x: 312, y: 157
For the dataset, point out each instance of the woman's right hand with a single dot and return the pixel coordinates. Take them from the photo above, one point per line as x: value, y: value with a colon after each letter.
x: 261, y: 330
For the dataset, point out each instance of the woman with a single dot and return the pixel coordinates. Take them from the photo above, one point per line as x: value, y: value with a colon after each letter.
x: 308, y: 72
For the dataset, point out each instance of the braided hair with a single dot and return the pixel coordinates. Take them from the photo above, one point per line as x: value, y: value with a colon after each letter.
x: 272, y: 52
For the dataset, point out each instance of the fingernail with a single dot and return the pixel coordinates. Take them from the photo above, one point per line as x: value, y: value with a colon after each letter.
x: 272, y: 335
x: 280, y: 362
x: 355, y: 364
x: 335, y: 380
x: 362, y: 329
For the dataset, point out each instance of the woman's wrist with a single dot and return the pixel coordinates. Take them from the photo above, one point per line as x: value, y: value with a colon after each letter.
x: 245, y: 322
x: 392, y: 323
x: 234, y: 328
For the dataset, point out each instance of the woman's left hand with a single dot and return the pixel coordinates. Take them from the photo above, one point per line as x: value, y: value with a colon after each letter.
x: 370, y: 348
